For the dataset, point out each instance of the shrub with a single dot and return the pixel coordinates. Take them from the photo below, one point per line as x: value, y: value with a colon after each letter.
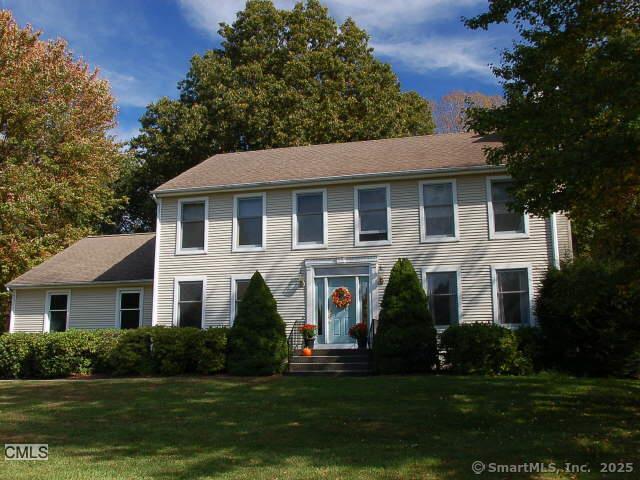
x: 211, y: 355
x: 406, y: 338
x: 257, y: 341
x: 589, y: 314
x: 16, y: 354
x: 531, y: 345
x: 477, y: 348
x: 132, y: 353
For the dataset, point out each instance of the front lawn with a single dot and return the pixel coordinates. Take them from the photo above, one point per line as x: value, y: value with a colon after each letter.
x: 286, y: 427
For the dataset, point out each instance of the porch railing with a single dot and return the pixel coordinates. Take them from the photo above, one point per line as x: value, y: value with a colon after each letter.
x: 295, y: 340
x: 372, y: 334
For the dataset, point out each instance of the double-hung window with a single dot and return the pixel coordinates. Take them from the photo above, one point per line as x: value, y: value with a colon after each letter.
x: 439, y: 211
x: 192, y: 226
x: 129, y: 308
x: 512, y: 300
x: 57, y: 316
x: 249, y: 218
x: 239, y: 285
x: 309, y: 219
x: 503, y: 221
x: 443, y: 295
x: 189, y: 301
x: 372, y: 215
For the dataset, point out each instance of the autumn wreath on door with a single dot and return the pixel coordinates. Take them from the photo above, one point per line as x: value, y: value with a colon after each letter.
x: 341, y: 297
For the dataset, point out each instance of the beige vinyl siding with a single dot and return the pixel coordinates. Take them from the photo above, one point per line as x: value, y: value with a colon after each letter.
x: 281, y: 266
x: 565, y: 244
x: 91, y: 307
x: 29, y: 310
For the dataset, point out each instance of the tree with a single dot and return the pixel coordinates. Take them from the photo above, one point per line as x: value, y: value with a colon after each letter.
x: 571, y: 124
x: 257, y: 341
x: 406, y: 338
x: 281, y: 78
x: 451, y: 110
x: 57, y: 161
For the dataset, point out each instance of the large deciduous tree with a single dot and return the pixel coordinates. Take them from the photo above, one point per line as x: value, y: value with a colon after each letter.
x: 57, y: 161
x: 450, y: 111
x: 280, y: 78
x: 571, y: 124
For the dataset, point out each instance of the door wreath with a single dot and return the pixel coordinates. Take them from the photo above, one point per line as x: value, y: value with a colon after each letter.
x: 341, y: 297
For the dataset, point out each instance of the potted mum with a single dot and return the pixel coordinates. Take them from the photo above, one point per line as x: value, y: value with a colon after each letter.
x: 308, y: 332
x: 359, y: 332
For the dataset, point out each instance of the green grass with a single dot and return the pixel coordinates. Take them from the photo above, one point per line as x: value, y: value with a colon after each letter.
x: 285, y: 427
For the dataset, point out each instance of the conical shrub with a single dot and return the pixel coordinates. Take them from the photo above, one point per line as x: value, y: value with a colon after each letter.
x: 406, y: 338
x: 257, y: 341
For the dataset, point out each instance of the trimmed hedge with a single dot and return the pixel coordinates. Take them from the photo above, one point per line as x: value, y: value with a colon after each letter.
x: 485, y: 349
x: 143, y: 351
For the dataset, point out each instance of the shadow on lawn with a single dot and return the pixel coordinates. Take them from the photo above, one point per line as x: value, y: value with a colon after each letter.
x: 392, y: 427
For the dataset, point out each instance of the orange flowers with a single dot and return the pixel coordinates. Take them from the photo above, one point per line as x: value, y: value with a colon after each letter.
x: 341, y: 297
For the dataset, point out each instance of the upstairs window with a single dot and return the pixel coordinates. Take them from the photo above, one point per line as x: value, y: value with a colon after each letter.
x: 309, y: 219
x: 442, y: 292
x: 439, y: 211
x: 57, y: 312
x: 249, y: 222
x: 504, y: 222
x: 513, y: 296
x: 129, y: 308
x: 373, y: 215
x: 192, y: 226
x: 190, y: 303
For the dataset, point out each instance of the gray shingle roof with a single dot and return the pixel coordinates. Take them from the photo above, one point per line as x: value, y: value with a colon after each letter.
x: 332, y: 161
x: 109, y: 258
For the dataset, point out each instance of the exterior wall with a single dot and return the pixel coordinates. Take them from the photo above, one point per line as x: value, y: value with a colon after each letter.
x: 91, y: 307
x: 282, y: 266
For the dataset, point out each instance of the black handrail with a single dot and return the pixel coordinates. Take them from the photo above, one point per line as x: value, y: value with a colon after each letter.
x: 372, y: 333
x: 295, y: 340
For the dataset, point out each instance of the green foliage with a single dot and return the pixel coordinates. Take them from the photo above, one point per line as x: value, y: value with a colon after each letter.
x: 257, y: 340
x: 281, y: 78
x: 571, y: 125
x: 58, y: 160
x: 531, y: 345
x: 485, y: 349
x: 590, y: 319
x: 143, y: 351
x: 406, y: 338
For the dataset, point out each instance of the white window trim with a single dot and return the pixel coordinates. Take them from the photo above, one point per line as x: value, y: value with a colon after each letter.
x: 46, y: 327
x: 356, y: 215
x: 445, y: 269
x: 424, y: 238
x: 119, y: 293
x: 294, y: 220
x: 493, y: 235
x: 249, y: 248
x: 494, y: 293
x: 156, y: 263
x: 12, y: 315
x: 176, y: 295
x: 192, y: 251
x: 233, y: 293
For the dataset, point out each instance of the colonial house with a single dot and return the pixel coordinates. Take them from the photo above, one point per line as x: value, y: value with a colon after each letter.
x: 310, y: 219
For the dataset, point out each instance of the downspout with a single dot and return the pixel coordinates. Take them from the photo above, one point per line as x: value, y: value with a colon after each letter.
x: 156, y: 262
x: 555, y: 250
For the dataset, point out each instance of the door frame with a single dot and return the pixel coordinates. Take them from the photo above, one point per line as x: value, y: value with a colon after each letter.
x: 371, y: 262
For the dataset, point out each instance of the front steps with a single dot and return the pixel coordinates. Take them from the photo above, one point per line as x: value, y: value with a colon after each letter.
x: 332, y: 362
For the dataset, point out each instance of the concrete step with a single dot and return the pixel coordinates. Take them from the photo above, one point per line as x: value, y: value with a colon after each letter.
x: 332, y: 367
x: 330, y: 373
x: 337, y: 351
x: 330, y: 358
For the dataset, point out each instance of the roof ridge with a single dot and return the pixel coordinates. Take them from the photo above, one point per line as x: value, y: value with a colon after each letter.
x: 119, y: 235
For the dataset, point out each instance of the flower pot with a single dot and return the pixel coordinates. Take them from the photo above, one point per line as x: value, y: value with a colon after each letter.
x: 362, y: 343
x: 309, y: 342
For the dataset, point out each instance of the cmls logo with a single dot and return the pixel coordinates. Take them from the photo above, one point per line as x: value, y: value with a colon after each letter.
x: 26, y: 451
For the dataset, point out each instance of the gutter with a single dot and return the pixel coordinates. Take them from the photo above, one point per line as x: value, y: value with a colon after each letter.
x: 79, y: 284
x: 394, y: 175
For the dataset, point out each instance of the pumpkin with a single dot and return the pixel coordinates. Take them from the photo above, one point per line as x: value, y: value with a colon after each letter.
x: 307, y: 352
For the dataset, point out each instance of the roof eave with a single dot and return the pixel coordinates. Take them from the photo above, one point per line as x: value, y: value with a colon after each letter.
x: 394, y: 175
x: 13, y: 286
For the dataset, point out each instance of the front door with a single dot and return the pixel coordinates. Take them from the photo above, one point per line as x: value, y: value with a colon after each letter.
x: 340, y: 319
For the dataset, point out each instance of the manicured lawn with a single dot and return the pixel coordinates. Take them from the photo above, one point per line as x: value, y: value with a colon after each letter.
x: 377, y: 427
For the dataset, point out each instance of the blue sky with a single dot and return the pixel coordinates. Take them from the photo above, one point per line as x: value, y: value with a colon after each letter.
x: 143, y: 47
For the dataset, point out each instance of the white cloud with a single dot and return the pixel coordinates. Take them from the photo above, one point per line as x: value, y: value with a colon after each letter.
x: 128, y: 90
x: 124, y: 134
x: 393, y: 25
x: 456, y: 55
